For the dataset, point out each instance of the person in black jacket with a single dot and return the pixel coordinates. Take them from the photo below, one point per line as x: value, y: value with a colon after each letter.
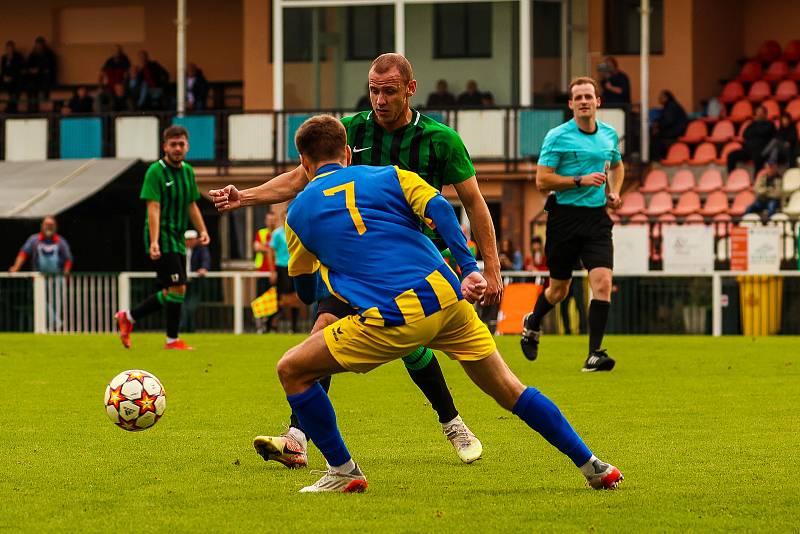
x: 12, y: 70
x: 196, y: 88
x: 41, y: 74
x: 669, y: 126
x: 782, y: 148
x: 756, y: 138
x: 441, y: 98
x: 615, y: 83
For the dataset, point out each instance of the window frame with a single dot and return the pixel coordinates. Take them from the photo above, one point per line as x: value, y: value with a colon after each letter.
x: 466, y: 53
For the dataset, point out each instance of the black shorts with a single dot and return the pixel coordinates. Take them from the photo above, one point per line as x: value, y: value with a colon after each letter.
x: 577, y: 233
x: 284, y: 285
x: 335, y: 307
x: 170, y: 269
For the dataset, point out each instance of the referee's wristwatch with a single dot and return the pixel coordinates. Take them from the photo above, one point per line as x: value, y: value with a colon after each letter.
x: 577, y: 180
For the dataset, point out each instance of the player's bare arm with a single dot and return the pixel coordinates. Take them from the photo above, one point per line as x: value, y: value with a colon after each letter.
x: 281, y: 188
x: 616, y: 175
x: 547, y: 180
x: 154, y: 220
x: 197, y: 221
x: 481, y: 220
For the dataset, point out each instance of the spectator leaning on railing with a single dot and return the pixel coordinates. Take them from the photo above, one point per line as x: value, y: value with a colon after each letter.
x: 49, y: 252
x: 441, y: 98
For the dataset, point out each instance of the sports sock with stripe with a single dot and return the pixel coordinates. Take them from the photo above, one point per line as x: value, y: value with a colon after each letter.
x: 151, y: 304
x: 315, y: 413
x: 424, y: 369
x: 174, y: 304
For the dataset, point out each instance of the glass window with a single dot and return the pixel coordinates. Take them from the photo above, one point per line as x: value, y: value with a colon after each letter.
x: 462, y: 30
x: 298, y: 27
x: 370, y: 31
x: 624, y: 25
x: 547, y: 29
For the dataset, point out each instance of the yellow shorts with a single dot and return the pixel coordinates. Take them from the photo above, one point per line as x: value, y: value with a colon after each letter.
x: 456, y: 330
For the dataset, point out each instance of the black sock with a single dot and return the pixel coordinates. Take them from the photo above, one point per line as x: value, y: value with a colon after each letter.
x: 430, y: 380
x: 151, y: 304
x: 295, y: 314
x: 598, y: 317
x: 173, y: 319
x: 540, y: 309
x: 325, y: 382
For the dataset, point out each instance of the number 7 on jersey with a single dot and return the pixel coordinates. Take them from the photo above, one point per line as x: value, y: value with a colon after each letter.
x: 349, y: 190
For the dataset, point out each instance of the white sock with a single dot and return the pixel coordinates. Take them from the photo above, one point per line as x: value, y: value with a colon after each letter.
x: 172, y: 339
x: 456, y: 420
x: 299, y: 436
x: 588, y: 469
x: 129, y: 316
x: 345, y: 468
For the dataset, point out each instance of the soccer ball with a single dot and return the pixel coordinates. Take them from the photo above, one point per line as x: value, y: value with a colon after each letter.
x: 135, y: 400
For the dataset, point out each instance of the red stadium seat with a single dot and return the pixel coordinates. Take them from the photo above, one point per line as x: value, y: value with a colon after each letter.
x: 711, y: 180
x: 655, y: 181
x: 727, y: 149
x: 740, y: 134
x: 694, y: 219
x: 759, y: 91
x: 793, y: 109
x: 751, y: 71
x: 738, y: 180
x: 678, y: 154
x: 717, y: 202
x: 704, y: 154
x: 741, y: 202
x: 632, y: 203
x: 732, y: 92
x: 682, y: 181
x: 660, y: 204
x: 768, y: 51
x: 639, y: 218
x: 773, y: 109
x: 777, y: 71
x: 792, y: 51
x: 794, y: 74
x: 722, y: 133
x: 741, y: 111
x: 667, y: 218
x: 786, y: 90
x: 688, y: 203
x: 695, y: 133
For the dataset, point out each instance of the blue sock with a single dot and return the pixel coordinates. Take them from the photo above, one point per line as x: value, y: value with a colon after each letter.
x: 315, y: 413
x: 542, y: 415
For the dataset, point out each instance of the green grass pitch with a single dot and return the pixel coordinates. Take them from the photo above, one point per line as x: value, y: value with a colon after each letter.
x: 705, y: 431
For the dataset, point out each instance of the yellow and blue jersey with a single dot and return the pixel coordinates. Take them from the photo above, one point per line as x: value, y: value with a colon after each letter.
x: 347, y: 219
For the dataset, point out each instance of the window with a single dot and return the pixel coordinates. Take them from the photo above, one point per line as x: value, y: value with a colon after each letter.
x: 298, y: 28
x: 370, y: 31
x: 623, y: 27
x: 546, y: 29
x: 462, y: 30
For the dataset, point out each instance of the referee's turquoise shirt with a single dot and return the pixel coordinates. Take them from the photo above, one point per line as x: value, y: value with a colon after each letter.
x: 572, y: 152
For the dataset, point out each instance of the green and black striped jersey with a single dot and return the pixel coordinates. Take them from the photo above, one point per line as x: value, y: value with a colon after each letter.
x: 174, y: 189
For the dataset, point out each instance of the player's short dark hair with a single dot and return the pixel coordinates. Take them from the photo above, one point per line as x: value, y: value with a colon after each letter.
x: 176, y: 130
x: 386, y: 62
x: 321, y: 138
x: 584, y: 80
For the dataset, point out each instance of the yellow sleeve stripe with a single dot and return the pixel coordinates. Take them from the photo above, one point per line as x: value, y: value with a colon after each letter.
x: 301, y: 261
x: 410, y: 306
x: 323, y: 272
x: 416, y: 190
x: 442, y: 288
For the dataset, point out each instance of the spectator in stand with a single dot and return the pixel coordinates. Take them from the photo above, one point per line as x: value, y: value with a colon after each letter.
x: 768, y: 191
x: 12, y: 70
x: 441, y: 98
x: 264, y: 264
x: 114, y: 72
x: 536, y: 261
x: 510, y: 256
x: 120, y: 99
x: 41, y: 74
x: 487, y: 99
x: 472, y: 97
x: 783, y: 147
x: 151, y: 82
x: 81, y: 101
x: 196, y: 88
x: 669, y: 126
x: 756, y: 138
x: 198, y: 261
x: 615, y: 83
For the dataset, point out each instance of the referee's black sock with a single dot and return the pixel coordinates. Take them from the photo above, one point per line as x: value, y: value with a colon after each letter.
x: 430, y: 380
x: 540, y: 309
x: 151, y: 304
x: 598, y: 317
x: 325, y: 382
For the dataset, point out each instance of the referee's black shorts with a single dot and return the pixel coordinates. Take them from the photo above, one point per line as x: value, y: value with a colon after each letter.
x: 335, y: 307
x: 170, y: 269
x: 577, y: 233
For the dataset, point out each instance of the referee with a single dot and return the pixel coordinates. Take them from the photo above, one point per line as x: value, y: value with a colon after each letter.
x: 581, y: 164
x: 392, y: 133
x: 171, y: 194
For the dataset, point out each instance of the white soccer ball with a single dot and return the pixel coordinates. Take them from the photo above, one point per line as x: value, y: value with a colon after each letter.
x: 135, y: 400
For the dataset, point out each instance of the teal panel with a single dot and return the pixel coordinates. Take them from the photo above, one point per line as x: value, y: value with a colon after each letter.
x: 81, y: 137
x: 202, y: 136
x: 533, y: 126
x: 293, y: 123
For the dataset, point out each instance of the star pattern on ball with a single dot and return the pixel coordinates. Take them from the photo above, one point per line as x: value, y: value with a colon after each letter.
x: 146, y: 403
x: 115, y: 396
x: 136, y: 375
x: 127, y: 425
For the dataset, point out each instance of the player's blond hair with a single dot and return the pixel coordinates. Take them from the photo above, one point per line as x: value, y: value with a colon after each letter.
x: 321, y: 138
x: 386, y: 62
x: 584, y: 80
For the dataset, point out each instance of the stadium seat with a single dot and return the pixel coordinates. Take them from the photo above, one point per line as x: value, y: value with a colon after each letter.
x: 751, y: 71
x: 793, y: 109
x: 777, y: 71
x: 614, y: 217
x: 639, y: 218
x: 732, y: 92
x: 786, y: 91
x: 751, y: 219
x: 695, y: 133
x: 682, y: 181
x: 678, y: 154
x: 794, y: 74
x: 759, y: 91
x: 717, y: 202
x: 791, y: 181
x: 721, y: 217
x: 632, y: 203
x: 694, y: 219
x: 738, y: 180
x: 655, y: 181
x: 741, y: 202
x: 688, y: 203
x: 791, y: 52
x: 768, y: 51
x: 773, y: 109
x: 742, y: 127
x: 711, y: 180
x: 722, y: 133
x: 667, y: 218
x: 784, y: 222
x: 727, y: 149
x: 741, y: 111
x: 660, y: 204
x: 704, y: 154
